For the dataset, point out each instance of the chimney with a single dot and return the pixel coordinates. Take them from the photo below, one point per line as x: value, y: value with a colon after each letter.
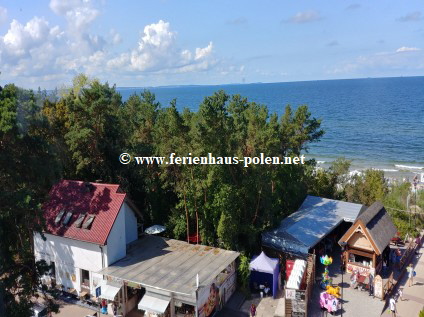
x: 88, y: 187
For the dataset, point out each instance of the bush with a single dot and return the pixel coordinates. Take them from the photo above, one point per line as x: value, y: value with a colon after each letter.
x: 243, y: 274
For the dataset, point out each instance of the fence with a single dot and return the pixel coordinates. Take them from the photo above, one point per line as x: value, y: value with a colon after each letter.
x: 390, y: 285
x: 310, y: 279
x: 405, y: 257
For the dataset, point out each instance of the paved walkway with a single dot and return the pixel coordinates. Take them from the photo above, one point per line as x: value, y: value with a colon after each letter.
x: 355, y: 302
x: 72, y: 310
x: 413, y: 297
x: 265, y: 307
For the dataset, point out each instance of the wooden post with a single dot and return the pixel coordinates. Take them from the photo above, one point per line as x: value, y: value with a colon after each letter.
x: 172, y: 306
x: 347, y: 255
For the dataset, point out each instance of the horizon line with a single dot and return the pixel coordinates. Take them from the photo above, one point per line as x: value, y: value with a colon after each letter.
x: 260, y: 82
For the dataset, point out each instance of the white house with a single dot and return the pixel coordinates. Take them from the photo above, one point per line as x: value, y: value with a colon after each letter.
x: 88, y: 228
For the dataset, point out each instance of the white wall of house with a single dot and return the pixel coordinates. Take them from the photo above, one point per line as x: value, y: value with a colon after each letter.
x: 124, y: 231
x: 130, y: 224
x: 69, y: 256
x: 116, y: 246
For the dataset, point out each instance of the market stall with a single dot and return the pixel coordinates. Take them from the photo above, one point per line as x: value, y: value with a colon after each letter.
x: 264, y: 271
x: 111, y: 297
x: 366, y: 240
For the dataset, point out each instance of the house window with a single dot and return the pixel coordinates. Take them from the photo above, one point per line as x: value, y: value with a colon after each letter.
x: 67, y: 218
x: 85, y: 278
x: 88, y: 222
x: 361, y: 260
x: 59, y: 217
x: 79, y: 221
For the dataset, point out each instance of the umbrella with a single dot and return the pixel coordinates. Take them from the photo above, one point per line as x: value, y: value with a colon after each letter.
x: 155, y: 229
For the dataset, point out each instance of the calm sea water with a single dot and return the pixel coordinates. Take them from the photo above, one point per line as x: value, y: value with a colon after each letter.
x: 376, y: 123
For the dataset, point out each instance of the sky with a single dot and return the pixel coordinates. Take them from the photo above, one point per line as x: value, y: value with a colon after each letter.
x: 155, y: 43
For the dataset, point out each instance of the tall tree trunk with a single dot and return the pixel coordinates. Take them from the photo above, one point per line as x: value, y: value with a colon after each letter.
x: 197, y: 213
x: 197, y: 226
x: 185, y: 206
x: 257, y: 207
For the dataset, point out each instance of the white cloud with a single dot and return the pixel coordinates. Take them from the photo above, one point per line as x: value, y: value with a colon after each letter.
x: 116, y: 38
x: 158, y: 51
x: 407, y: 49
x: 78, y: 13
x: 156, y: 36
x: 3, y: 15
x: 34, y: 51
x: 304, y: 17
x: 383, y: 63
x: 21, y: 39
x: 203, y: 52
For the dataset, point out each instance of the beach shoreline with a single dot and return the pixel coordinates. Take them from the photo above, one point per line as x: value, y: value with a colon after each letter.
x: 399, y: 172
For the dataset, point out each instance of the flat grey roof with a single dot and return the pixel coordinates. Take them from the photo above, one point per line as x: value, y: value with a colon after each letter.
x: 170, y: 265
x: 315, y: 218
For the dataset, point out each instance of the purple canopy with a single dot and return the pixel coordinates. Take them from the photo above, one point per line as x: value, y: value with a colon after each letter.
x: 265, y: 265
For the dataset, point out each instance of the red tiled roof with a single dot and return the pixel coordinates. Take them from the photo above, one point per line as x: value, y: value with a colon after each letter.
x: 102, y: 200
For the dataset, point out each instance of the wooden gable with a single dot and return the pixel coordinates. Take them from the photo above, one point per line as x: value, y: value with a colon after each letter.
x: 358, y: 237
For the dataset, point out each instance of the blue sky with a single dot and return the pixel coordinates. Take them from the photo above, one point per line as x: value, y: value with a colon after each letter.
x: 153, y: 43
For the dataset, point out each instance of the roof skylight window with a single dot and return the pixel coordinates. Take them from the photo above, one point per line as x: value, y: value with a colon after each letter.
x: 87, y: 224
x: 67, y: 218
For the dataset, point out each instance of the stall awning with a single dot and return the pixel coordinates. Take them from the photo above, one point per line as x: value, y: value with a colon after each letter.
x: 109, y: 291
x: 154, y: 303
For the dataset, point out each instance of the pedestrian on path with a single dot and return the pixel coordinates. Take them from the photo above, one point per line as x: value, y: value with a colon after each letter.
x: 418, y: 239
x: 371, y: 282
x: 417, y: 243
x: 252, y: 310
x: 398, y: 257
x: 411, y: 272
x: 392, y: 304
x: 400, y: 293
x: 393, y: 258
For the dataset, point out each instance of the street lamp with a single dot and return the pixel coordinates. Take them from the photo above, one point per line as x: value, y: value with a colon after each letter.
x: 343, y: 247
x: 415, y: 188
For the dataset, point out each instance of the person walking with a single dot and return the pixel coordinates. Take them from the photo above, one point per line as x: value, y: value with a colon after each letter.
x: 371, y: 282
x: 114, y: 309
x: 410, y: 271
x: 252, y: 310
x: 393, y: 258
x: 400, y: 293
x: 398, y: 258
x: 417, y: 243
x: 392, y: 304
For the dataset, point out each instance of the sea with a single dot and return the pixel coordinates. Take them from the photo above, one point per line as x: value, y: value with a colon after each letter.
x: 374, y: 122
